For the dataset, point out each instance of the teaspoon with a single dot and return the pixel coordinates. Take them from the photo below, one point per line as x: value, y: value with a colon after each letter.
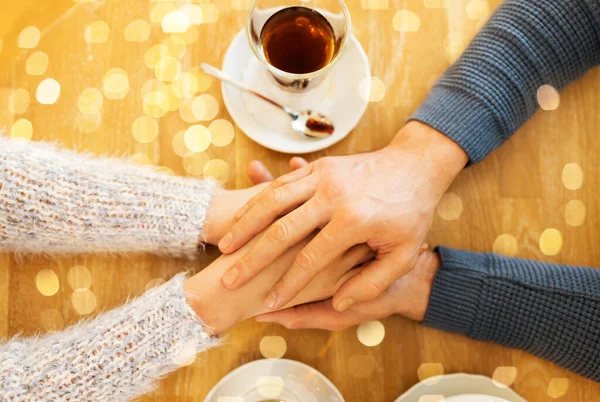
x: 306, y: 122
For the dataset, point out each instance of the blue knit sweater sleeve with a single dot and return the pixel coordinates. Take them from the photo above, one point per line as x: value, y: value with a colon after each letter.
x: 491, y: 90
x: 549, y: 310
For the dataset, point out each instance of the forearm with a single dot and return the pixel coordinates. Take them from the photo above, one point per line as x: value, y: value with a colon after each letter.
x: 491, y: 90
x: 547, y: 310
x: 115, y: 357
x: 57, y: 201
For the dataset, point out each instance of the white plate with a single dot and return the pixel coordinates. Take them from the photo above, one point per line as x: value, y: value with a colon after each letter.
x: 342, y: 96
x: 466, y: 385
x: 283, y: 379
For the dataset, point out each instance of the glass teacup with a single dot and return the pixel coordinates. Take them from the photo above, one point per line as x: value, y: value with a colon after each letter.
x: 298, y: 41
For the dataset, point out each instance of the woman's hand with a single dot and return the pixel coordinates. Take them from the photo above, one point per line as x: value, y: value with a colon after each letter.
x: 219, y: 308
x: 408, y: 296
x: 225, y: 203
x: 385, y: 199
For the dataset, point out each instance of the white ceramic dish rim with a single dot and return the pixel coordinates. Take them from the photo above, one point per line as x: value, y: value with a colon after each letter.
x: 301, y: 365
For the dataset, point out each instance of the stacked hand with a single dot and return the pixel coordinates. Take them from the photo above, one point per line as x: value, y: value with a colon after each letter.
x: 385, y: 199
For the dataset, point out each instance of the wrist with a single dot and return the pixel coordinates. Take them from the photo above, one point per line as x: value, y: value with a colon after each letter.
x: 440, y: 157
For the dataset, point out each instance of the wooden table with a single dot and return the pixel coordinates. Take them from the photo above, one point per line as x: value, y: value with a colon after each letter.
x: 517, y: 192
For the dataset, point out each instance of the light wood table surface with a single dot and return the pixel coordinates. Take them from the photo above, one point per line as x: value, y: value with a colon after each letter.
x: 517, y: 192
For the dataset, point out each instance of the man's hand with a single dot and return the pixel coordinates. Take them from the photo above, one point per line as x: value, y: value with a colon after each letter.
x: 385, y: 199
x: 408, y: 296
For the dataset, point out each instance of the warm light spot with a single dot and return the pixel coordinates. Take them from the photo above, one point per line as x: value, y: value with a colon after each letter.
x: 269, y: 387
x: 167, y: 69
x: 218, y: 170
x: 48, y: 92
x: 88, y: 123
x: 204, y: 80
x: 179, y: 147
x: 46, y: 282
x: 205, y: 107
x: 558, y: 387
x: 175, y: 22
x: 431, y: 398
x: 90, y: 101
x: 273, y: 347
x: 164, y: 170
x: 154, y: 85
x: 37, y: 63
x: 97, y: 32
x: 506, y: 244
x: 230, y: 399
x: 186, y: 113
x: 160, y: 10
x: 406, y: 21
x: 21, y: 129
x: 371, y: 89
x: 140, y: 159
x: 176, y: 45
x: 194, y: 163
x: 188, y: 37
x: 241, y: 5
x: 428, y: 371
x: 575, y: 213
x: 79, y: 277
x: 115, y: 83
x: 188, y: 83
x: 221, y: 132
x: 193, y: 13
x: 51, y: 320
x: 154, y: 54
x: 361, y: 366
x: 186, y: 355
x: 156, y: 104
x: 454, y: 45
x: 210, y: 13
x: 437, y: 3
x: 551, y: 242
x: 29, y: 38
x: 18, y: 101
x: 197, y: 138
x: 154, y: 283
x: 505, y: 376
x: 370, y: 333
x: 145, y: 129
x: 478, y: 9
x: 374, y: 4
x: 175, y: 95
x: 450, y: 207
x: 572, y: 176
x: 151, y: 150
x: 83, y: 301
x: 548, y: 98
x: 138, y: 31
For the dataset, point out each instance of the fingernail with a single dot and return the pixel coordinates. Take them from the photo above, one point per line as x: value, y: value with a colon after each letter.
x: 225, y: 241
x: 344, y: 305
x: 271, y: 300
x: 231, y: 277
x: 425, y: 246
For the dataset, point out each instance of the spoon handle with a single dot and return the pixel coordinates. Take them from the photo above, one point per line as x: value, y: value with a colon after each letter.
x: 215, y: 72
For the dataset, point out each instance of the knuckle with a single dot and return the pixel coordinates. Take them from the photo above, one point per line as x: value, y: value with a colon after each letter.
x: 331, y: 191
x: 272, y: 197
x: 278, y: 232
x: 305, y: 261
x: 372, y: 290
x: 278, y: 182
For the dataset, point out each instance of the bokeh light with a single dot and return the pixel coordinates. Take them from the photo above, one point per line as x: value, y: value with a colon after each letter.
x: 406, y: 21
x: 29, y: 38
x: 48, y: 92
x: 551, y: 242
x: 115, y: 84
x: 97, y: 32
x: 37, y: 63
x: 450, y: 207
x: 46, y: 282
x: 370, y: 333
x: 90, y: 101
x: 83, y: 301
x: 18, y: 101
x: 272, y: 347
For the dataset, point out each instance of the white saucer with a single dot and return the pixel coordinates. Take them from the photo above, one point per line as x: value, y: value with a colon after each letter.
x: 470, y: 387
x: 337, y: 97
x: 279, y: 379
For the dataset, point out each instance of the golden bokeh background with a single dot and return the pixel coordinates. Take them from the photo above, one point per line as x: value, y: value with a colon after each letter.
x: 116, y: 78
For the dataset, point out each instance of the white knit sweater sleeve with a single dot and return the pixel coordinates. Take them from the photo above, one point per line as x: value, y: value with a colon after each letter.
x: 116, y: 357
x: 57, y: 201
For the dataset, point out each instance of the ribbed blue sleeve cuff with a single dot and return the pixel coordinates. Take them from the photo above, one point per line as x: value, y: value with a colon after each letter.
x: 453, y: 304
x: 463, y: 118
